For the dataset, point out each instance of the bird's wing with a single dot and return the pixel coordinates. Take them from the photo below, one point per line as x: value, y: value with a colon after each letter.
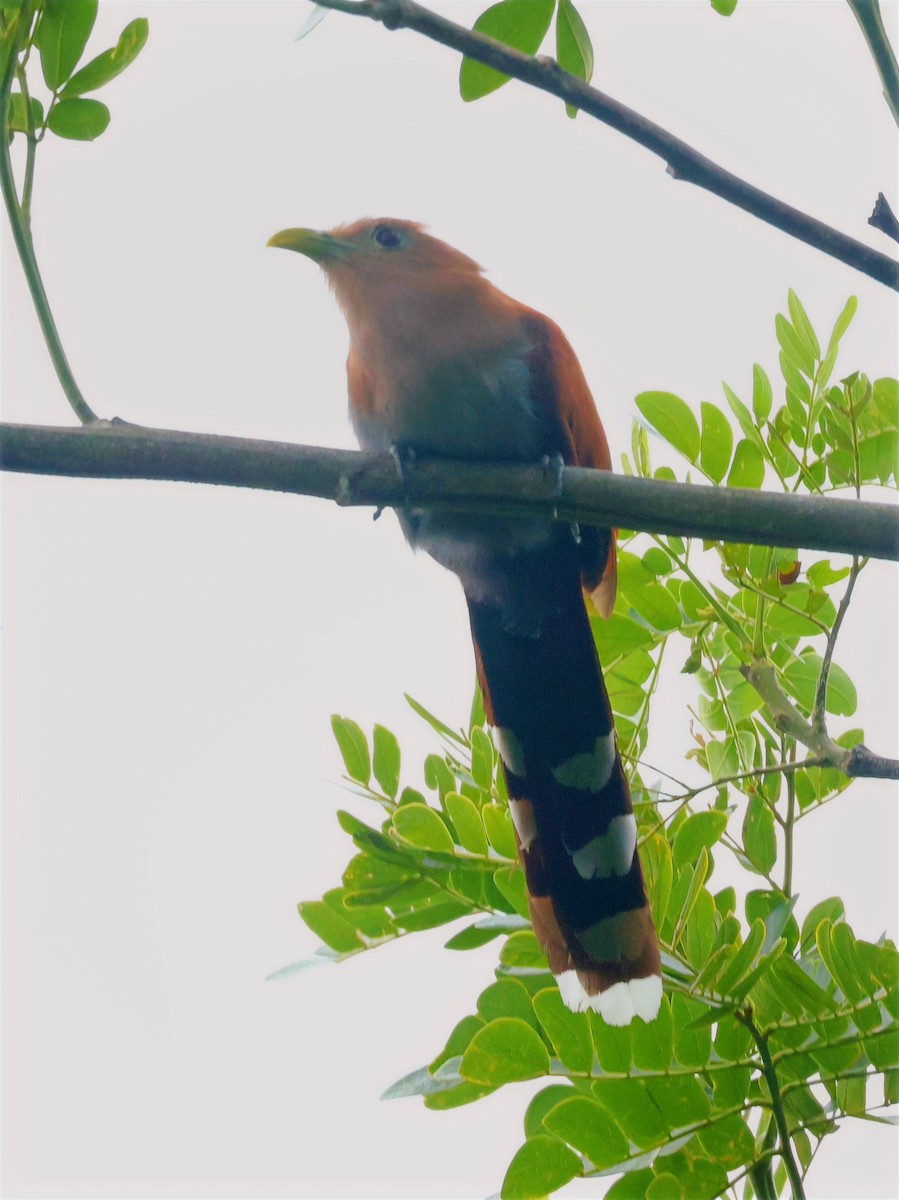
x: 567, y: 406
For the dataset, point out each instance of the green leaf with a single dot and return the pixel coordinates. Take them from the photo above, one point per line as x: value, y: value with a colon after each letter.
x: 633, y: 1185
x: 540, y: 1105
x: 421, y: 826
x: 18, y: 114
x: 787, y: 974
x: 61, y: 36
x: 652, y: 1041
x: 467, y: 821
x: 507, y: 998
x: 692, y: 1046
x: 436, y: 724
x: 618, y: 635
x: 724, y: 7
x: 716, y: 442
x: 681, y: 1098
x: 386, y: 760
x: 510, y: 883
x: 586, y: 1126
x: 657, y: 607
x: 777, y: 913
x: 797, y: 353
x: 802, y: 325
x: 748, y: 468
x: 569, y: 1032
x: 632, y: 1109
x: 351, y: 741
x: 521, y: 24
x: 110, y: 63
x: 78, y: 120
x: 666, y: 1186
x: 483, y: 931
x: 801, y: 681
x: 522, y: 951
x: 542, y: 1165
x: 656, y: 561
x: 759, y: 840
x: 498, y: 825
x: 673, y: 420
x: 729, y: 1143
x: 841, y: 324
x: 506, y: 1050
x: 333, y: 929
x: 612, y: 1044
x: 762, y: 396
x: 481, y: 759
x: 574, y: 50
x: 742, y: 962
x: 831, y: 909
x: 701, y: 829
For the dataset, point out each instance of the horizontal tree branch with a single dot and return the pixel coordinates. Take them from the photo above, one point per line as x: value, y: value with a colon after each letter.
x: 683, y: 161
x: 117, y: 450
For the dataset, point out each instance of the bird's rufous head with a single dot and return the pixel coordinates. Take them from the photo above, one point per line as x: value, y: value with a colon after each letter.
x: 381, y: 261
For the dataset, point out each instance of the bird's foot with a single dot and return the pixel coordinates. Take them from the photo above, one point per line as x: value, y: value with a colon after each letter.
x: 552, y: 469
x: 552, y: 465
x: 405, y: 457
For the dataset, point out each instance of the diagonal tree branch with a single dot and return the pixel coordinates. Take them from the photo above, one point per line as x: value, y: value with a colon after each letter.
x: 117, y: 450
x: 682, y: 160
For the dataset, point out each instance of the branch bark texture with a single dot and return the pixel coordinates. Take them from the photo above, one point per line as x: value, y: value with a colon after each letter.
x: 116, y: 450
x: 682, y: 160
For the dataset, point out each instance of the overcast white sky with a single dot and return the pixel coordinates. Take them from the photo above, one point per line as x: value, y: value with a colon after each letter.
x: 173, y: 654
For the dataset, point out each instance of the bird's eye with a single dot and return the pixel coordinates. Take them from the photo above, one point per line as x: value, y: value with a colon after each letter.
x: 387, y: 236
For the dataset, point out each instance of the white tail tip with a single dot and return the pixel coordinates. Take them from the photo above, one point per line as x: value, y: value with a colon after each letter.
x: 617, y: 1005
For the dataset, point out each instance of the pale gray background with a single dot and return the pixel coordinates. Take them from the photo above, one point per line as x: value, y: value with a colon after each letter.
x: 173, y: 653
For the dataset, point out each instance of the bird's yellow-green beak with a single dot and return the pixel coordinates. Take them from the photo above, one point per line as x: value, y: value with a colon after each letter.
x: 320, y: 247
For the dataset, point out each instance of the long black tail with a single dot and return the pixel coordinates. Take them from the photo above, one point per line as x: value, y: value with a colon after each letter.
x: 569, y: 799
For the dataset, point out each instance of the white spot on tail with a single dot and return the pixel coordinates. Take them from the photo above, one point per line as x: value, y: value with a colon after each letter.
x: 618, y: 1004
x: 614, y: 1005
x: 572, y: 991
x: 611, y: 853
x: 510, y: 750
x: 646, y: 994
x: 589, y: 772
x: 522, y: 814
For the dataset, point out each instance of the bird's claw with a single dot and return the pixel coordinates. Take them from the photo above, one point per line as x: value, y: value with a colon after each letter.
x: 405, y: 457
x: 552, y: 465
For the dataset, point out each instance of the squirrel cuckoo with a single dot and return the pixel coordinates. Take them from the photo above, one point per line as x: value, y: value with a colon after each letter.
x: 443, y: 363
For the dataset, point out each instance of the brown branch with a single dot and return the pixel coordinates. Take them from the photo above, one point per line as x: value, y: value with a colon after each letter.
x: 883, y: 218
x: 683, y: 162
x: 857, y: 762
x: 117, y: 450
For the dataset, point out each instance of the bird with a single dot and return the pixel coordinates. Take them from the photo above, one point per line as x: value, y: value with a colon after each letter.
x: 443, y: 364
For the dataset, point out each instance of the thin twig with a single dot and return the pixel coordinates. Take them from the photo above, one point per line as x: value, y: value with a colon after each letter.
x: 683, y: 162
x: 22, y: 236
x: 821, y: 690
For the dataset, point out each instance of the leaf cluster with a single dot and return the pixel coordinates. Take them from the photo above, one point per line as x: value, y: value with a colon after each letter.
x: 59, y: 30
x: 523, y: 25
x: 778, y: 1021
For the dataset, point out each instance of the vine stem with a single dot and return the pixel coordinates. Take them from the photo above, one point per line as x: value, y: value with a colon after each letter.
x: 769, y: 1071
x: 18, y: 218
